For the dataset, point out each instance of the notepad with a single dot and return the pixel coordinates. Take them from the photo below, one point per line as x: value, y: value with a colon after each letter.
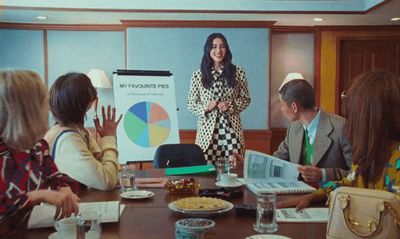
x: 151, y: 182
x: 43, y: 215
x: 312, y: 214
x: 201, y: 169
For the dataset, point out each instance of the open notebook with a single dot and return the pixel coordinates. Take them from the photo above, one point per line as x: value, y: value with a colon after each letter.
x: 266, y: 173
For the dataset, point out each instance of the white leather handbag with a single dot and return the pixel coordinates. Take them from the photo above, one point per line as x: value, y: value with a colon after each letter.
x: 363, y: 213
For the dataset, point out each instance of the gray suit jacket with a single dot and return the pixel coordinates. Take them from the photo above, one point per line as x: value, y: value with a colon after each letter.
x: 331, y: 150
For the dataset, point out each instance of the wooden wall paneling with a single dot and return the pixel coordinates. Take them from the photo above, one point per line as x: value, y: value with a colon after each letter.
x: 198, y: 24
x: 60, y: 27
x: 254, y: 139
x: 359, y: 55
x: 317, y: 66
x: 277, y: 136
x: 258, y: 140
x: 329, y: 65
x: 187, y: 136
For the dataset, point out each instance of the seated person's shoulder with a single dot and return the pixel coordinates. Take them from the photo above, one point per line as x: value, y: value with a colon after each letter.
x: 337, y: 120
x: 295, y: 124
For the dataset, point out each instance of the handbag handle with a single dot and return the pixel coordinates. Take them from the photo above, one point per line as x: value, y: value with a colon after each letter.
x: 352, y: 224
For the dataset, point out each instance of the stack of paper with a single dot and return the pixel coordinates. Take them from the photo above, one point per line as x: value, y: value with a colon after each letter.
x: 43, y: 215
x: 311, y: 214
x: 151, y: 182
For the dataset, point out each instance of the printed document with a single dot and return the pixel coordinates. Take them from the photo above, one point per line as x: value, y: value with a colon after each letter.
x: 266, y: 173
x: 311, y: 214
x: 43, y: 215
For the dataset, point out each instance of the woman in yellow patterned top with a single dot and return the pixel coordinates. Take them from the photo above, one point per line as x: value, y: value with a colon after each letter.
x: 372, y: 107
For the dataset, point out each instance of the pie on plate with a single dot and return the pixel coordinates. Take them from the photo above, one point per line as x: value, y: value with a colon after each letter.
x: 201, y: 204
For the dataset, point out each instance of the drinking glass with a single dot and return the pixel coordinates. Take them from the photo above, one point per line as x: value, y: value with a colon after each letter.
x: 127, y: 178
x: 223, y: 166
x: 66, y: 228
x: 89, y: 225
x: 233, y: 162
x: 266, y: 215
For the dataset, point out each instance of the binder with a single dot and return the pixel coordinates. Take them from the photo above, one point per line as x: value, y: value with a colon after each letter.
x: 201, y: 169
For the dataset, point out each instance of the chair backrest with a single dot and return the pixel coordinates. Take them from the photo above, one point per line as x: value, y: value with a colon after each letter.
x: 178, y: 155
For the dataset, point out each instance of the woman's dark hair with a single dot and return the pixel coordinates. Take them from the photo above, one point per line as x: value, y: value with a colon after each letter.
x: 207, y: 63
x: 299, y: 91
x: 70, y: 97
x: 373, y: 111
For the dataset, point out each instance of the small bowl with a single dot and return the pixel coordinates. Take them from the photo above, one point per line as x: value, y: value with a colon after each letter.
x: 182, y: 186
x: 192, y: 228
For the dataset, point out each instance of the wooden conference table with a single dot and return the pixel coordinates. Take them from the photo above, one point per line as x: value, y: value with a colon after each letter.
x: 151, y: 218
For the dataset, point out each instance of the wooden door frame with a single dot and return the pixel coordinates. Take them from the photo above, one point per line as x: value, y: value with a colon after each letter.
x: 340, y: 40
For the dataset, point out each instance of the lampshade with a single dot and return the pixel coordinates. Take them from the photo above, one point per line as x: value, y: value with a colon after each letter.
x: 291, y: 76
x: 99, y: 79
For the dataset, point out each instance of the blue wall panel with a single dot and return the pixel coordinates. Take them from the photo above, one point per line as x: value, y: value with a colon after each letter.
x: 180, y: 50
x: 22, y: 49
x: 80, y: 51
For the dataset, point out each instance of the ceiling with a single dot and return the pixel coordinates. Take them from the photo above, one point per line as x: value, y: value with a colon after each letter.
x: 285, y: 13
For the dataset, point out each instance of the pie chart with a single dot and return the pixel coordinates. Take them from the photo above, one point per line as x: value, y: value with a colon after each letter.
x: 147, y: 124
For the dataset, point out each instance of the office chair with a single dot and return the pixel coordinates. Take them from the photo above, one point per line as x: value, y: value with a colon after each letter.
x: 178, y: 155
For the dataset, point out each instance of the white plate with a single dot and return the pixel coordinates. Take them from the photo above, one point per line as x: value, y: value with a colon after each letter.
x: 236, y: 184
x: 267, y: 236
x: 137, y: 194
x: 173, y: 207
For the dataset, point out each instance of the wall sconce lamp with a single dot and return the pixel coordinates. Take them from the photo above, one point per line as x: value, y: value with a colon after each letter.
x: 291, y: 76
x: 99, y: 78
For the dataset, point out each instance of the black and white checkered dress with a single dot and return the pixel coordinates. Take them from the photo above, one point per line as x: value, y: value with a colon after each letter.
x: 224, y: 140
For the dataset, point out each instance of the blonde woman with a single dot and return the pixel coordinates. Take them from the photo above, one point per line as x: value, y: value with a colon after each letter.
x: 26, y: 169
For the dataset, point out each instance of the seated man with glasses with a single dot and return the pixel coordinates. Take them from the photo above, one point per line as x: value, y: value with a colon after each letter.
x: 314, y: 137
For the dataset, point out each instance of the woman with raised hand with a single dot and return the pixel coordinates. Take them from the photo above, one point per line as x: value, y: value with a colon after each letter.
x: 28, y: 176
x: 372, y: 108
x: 73, y: 149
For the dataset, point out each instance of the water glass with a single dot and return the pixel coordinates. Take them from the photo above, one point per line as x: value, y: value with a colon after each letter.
x: 223, y: 166
x: 66, y: 228
x: 89, y: 225
x: 266, y: 215
x: 233, y: 162
x: 127, y: 178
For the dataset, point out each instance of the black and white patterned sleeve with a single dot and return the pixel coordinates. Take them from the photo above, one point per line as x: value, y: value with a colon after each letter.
x: 242, y: 101
x: 194, y: 102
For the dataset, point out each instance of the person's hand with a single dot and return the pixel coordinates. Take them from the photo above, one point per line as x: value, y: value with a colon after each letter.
x: 109, y: 127
x: 239, y: 158
x: 310, y: 174
x: 223, y: 106
x: 298, y: 202
x: 65, y: 200
x: 211, y: 106
x: 304, y: 201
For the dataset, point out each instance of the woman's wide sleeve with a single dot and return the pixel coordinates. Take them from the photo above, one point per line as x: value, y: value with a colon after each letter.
x: 242, y: 100
x: 195, y: 104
